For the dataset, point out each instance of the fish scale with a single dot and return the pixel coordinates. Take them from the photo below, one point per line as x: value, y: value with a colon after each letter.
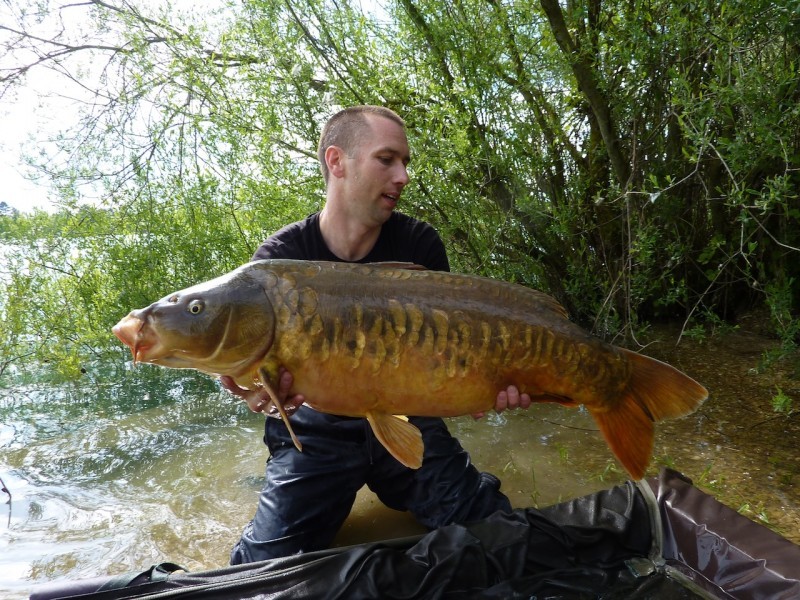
x: 386, y: 339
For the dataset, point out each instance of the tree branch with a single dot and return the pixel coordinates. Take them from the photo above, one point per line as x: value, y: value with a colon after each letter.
x: 587, y: 82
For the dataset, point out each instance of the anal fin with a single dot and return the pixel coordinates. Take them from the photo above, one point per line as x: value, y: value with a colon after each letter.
x: 399, y: 437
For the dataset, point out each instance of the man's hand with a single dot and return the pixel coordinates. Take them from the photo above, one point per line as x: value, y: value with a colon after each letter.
x: 508, y: 398
x: 258, y: 399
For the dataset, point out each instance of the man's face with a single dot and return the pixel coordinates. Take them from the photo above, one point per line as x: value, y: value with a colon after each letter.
x: 376, y: 173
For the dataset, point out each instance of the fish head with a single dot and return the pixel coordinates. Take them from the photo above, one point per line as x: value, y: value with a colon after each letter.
x: 221, y: 327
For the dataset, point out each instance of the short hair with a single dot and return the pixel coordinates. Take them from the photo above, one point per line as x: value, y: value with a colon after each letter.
x: 347, y: 128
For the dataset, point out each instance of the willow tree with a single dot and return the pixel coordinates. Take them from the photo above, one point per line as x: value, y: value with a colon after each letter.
x: 645, y: 154
x: 637, y: 160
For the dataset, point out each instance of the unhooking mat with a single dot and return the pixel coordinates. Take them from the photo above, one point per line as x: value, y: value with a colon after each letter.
x: 657, y: 539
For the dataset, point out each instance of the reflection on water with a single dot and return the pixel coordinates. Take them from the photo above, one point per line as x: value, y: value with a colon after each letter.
x: 109, y: 480
x: 165, y: 467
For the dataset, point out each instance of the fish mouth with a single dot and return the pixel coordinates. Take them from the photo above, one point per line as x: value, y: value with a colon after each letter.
x: 139, y: 332
x: 132, y: 331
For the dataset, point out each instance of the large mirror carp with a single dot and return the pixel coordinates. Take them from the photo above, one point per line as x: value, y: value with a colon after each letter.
x: 381, y: 340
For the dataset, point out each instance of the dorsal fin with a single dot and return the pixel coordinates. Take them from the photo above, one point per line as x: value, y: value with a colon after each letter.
x: 410, y: 266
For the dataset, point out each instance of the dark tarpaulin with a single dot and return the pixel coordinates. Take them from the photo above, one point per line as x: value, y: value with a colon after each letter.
x: 663, y: 538
x: 720, y: 550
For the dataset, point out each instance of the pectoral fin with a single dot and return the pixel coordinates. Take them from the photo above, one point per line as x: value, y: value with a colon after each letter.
x: 399, y: 437
x: 262, y: 373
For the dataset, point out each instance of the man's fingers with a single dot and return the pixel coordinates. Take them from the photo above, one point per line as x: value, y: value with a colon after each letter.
x: 502, y: 401
x: 285, y: 380
x: 259, y: 399
x: 513, y: 396
x: 229, y: 384
x: 510, y: 398
x: 295, y: 401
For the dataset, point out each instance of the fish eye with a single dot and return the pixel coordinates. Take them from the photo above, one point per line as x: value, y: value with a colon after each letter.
x: 196, y: 307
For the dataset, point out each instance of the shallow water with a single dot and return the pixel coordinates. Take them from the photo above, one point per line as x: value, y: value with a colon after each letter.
x: 164, y: 467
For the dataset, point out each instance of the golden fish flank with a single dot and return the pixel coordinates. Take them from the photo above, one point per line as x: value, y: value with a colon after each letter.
x: 377, y: 340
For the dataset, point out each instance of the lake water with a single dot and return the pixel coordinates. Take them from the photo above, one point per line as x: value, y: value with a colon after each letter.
x: 163, y: 466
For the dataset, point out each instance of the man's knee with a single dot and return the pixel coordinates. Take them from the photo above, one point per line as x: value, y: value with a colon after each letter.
x: 249, y: 549
x: 488, y: 499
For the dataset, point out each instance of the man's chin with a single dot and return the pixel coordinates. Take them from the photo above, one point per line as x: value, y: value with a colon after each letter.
x: 387, y: 209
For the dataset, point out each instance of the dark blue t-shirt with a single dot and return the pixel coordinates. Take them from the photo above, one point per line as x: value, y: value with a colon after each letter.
x: 402, y: 239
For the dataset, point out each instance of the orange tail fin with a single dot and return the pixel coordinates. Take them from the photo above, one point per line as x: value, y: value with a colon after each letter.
x: 656, y: 391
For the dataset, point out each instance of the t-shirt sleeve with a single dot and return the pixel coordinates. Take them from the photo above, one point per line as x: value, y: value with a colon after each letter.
x: 263, y: 251
x: 271, y: 248
x: 292, y: 242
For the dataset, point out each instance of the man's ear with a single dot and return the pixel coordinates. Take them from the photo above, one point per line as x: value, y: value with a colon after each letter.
x: 334, y: 159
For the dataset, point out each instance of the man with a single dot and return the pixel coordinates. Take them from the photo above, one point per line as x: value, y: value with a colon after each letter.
x: 363, y: 155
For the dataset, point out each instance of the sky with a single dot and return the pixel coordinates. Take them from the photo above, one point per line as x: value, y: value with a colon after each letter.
x: 22, y: 125
x: 30, y: 113
x: 36, y: 110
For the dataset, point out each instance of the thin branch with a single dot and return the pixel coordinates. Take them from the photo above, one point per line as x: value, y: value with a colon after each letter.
x: 5, y: 489
x: 587, y: 80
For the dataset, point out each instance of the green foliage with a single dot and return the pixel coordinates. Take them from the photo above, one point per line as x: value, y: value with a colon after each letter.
x: 636, y: 161
x: 786, y: 324
x: 781, y: 402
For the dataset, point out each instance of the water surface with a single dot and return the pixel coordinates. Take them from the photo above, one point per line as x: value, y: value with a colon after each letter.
x: 163, y: 466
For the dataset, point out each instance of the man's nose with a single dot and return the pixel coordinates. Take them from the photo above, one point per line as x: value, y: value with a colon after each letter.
x: 401, y: 174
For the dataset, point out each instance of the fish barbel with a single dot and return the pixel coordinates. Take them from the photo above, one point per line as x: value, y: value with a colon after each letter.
x: 380, y: 340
